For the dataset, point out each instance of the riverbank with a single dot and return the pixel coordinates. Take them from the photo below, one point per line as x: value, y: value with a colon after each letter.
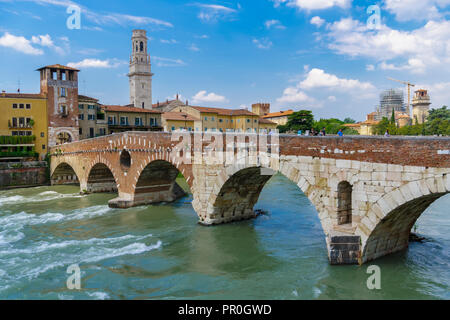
x: 23, y: 174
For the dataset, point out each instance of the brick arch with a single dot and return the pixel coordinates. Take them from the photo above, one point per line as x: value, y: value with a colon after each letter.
x: 105, y: 161
x: 101, y: 183
x: 67, y: 175
x: 315, y: 194
x: 386, y: 227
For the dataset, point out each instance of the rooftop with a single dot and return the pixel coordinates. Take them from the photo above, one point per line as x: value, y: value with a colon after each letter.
x: 58, y: 66
x: 22, y: 95
x: 86, y: 98
x: 279, y: 114
x: 129, y: 109
x: 262, y: 120
x: 179, y: 116
x: 225, y: 112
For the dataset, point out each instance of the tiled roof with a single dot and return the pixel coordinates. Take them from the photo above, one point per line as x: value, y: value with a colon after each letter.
x: 58, y: 66
x: 162, y: 104
x: 225, y: 112
x: 128, y: 109
x: 352, y: 125
x: 179, y: 116
x: 278, y: 114
x: 23, y: 95
x: 86, y: 98
x: 262, y: 120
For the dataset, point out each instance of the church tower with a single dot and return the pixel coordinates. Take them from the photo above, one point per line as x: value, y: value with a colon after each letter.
x: 140, y: 71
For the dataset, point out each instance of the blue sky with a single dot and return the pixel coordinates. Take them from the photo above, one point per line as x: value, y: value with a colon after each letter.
x: 320, y: 55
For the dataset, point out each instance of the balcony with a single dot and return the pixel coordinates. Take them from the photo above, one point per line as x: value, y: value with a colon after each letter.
x: 20, y: 125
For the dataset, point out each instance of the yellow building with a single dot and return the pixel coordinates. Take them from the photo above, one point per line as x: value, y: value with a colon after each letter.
x: 172, y: 121
x: 281, y: 118
x: 24, y: 115
x: 225, y: 120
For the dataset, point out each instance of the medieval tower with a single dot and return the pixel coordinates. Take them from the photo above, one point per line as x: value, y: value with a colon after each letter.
x: 60, y: 85
x: 140, y: 71
x: 421, y: 106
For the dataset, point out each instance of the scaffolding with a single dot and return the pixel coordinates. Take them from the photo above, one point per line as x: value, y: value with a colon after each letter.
x: 391, y: 99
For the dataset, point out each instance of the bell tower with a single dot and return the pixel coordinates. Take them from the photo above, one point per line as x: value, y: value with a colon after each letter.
x: 140, y: 71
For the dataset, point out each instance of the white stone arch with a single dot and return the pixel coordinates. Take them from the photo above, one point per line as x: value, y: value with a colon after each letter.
x: 386, y: 226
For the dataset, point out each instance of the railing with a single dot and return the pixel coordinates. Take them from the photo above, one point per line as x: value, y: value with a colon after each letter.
x: 20, y: 125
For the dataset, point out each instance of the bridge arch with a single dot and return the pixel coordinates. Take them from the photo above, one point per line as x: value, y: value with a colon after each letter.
x: 387, y: 226
x: 101, y: 178
x: 237, y: 189
x: 64, y: 174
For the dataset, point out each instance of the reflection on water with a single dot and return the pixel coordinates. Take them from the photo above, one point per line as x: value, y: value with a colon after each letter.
x: 160, y: 252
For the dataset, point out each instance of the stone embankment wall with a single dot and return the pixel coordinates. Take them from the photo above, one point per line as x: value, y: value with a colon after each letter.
x: 23, y: 174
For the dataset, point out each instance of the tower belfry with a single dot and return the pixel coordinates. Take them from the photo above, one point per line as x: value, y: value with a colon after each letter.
x: 140, y: 71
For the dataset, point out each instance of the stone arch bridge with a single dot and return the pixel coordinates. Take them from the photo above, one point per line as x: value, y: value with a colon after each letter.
x: 368, y: 191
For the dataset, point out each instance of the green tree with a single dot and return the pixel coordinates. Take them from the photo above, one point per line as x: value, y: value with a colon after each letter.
x: 301, y: 120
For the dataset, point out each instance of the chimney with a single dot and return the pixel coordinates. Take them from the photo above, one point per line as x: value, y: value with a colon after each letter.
x: 177, y: 96
x: 187, y: 102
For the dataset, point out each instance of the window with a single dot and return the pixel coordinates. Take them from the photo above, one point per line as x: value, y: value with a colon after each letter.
x: 255, y: 120
x: 63, y: 76
x: 344, y: 203
x: 220, y: 120
x: 15, y: 133
x: 43, y: 147
x: 28, y: 122
x: 28, y: 106
x: 80, y: 106
x: 152, y: 122
x: 143, y: 105
x: 112, y: 121
x: 81, y: 116
x: 239, y: 120
x: 14, y: 122
x: 231, y: 120
x: 29, y: 133
x: 212, y: 119
x: 142, y: 46
x: 102, y: 131
x: 91, y: 132
x: 91, y: 116
x: 21, y: 122
x: 173, y: 128
x: 63, y: 92
x: 80, y: 131
x: 248, y: 120
x: 91, y: 107
x: 15, y: 106
x: 42, y: 134
x: 123, y: 121
x: 206, y: 129
x: 138, y: 121
x: 21, y: 106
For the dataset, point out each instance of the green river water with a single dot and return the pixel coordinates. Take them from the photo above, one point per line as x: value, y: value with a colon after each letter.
x: 160, y: 252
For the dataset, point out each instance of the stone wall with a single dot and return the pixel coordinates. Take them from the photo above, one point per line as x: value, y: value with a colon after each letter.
x: 23, y: 174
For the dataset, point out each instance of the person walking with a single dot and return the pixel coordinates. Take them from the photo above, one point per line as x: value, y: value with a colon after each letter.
x: 386, y: 134
x: 340, y: 133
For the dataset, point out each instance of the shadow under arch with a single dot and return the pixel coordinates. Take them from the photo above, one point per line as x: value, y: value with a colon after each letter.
x: 101, y: 179
x: 64, y: 174
x: 391, y: 233
x: 158, y: 183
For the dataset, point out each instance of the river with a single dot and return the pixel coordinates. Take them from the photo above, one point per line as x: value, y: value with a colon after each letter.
x: 160, y: 252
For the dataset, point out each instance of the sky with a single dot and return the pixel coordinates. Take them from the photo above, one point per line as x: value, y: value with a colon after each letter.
x: 329, y: 56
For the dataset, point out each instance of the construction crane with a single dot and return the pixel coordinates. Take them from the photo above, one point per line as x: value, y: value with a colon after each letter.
x: 409, y: 84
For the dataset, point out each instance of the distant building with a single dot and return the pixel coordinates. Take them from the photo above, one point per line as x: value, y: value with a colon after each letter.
x: 281, y: 118
x: 172, y: 121
x: 261, y: 109
x: 421, y: 106
x: 91, y: 118
x: 390, y: 100
x: 129, y: 118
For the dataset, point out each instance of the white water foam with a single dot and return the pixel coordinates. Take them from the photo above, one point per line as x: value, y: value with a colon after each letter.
x: 41, y: 197
x: 99, y: 295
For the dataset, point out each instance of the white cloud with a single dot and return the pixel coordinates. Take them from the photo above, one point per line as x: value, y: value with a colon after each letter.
x: 20, y: 44
x: 46, y: 41
x: 406, y: 10
x: 294, y: 95
x: 214, y: 12
x: 332, y: 98
x: 203, y: 96
x: 370, y: 67
x: 106, y: 18
x: 317, y: 21
x: 318, y: 78
x: 193, y: 47
x: 263, y: 43
x: 313, y: 4
x: 167, y: 62
x: 274, y: 24
x: 419, y: 48
x: 169, y: 41
x: 96, y: 63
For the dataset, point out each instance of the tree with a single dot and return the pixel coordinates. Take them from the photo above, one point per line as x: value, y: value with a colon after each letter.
x: 301, y: 120
x: 442, y: 113
x: 349, y: 120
